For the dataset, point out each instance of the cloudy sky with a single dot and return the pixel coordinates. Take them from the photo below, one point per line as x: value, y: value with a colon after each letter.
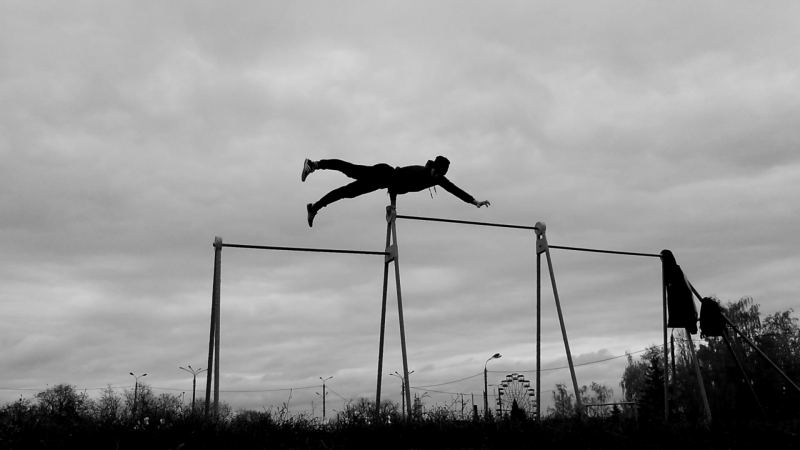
x: 133, y: 133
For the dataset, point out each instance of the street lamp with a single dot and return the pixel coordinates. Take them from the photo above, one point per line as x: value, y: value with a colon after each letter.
x: 136, y: 390
x: 194, y: 380
x: 402, y: 389
x: 324, y: 394
x: 486, y: 384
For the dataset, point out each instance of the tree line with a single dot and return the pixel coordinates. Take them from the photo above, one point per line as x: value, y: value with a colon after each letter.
x: 727, y: 390
x: 768, y: 395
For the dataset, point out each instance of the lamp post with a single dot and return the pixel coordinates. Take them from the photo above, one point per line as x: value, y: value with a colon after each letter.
x: 324, y: 394
x: 136, y: 389
x: 486, y: 384
x: 194, y: 380
x: 402, y: 389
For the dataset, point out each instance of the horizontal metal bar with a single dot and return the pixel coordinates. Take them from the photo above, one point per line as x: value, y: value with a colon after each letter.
x: 613, y: 252
x: 464, y: 222
x: 304, y: 249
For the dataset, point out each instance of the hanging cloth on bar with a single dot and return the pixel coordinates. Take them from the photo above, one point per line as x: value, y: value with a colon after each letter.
x: 680, y: 306
x: 712, y: 323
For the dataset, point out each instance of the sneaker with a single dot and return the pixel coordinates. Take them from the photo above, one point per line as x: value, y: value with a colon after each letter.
x: 308, y: 167
x: 311, y: 214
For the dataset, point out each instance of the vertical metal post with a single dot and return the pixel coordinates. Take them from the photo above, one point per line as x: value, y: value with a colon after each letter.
x: 400, y: 305
x: 485, y: 392
x: 542, y: 243
x: 539, y: 226
x: 694, y: 358
x: 217, y: 311
x: 194, y: 388
x: 674, y: 371
x: 403, y: 396
x: 135, y: 395
x: 388, y: 259
x: 699, y: 376
x: 666, y: 349
x: 744, y: 374
x: 213, y: 329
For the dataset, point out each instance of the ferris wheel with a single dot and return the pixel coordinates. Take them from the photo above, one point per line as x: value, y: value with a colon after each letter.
x: 516, y: 388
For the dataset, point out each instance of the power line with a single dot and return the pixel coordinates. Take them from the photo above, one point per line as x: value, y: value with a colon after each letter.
x: 277, y: 390
x: 449, y: 382
x: 337, y: 394
x: 314, y: 386
x: 577, y: 365
x: 77, y: 389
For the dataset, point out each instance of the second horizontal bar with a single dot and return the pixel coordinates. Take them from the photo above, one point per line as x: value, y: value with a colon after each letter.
x: 305, y: 249
x: 613, y: 252
x: 464, y: 222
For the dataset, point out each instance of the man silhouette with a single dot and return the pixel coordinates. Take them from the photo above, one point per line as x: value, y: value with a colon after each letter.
x: 398, y: 180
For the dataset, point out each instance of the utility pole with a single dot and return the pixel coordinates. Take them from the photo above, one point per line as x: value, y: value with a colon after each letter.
x: 402, y: 389
x: 324, y: 394
x: 194, y: 380
x: 136, y: 390
x: 486, y: 385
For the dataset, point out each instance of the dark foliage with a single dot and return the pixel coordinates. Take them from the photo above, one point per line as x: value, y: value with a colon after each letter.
x: 24, y: 426
x: 651, y: 402
x: 729, y: 396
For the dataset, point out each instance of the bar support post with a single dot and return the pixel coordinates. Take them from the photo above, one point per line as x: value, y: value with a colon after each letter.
x: 666, y: 349
x: 400, y: 306
x: 539, y: 226
x: 541, y: 246
x: 699, y: 376
x: 213, y: 340
x: 741, y: 368
x: 388, y: 260
x: 392, y: 255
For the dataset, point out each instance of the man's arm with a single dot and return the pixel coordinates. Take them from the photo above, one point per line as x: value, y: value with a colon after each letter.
x: 448, y: 186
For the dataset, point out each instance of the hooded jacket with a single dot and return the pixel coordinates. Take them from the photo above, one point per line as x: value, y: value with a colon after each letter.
x: 417, y: 178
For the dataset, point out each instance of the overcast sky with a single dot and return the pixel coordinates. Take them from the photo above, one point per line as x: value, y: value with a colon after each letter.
x: 133, y: 133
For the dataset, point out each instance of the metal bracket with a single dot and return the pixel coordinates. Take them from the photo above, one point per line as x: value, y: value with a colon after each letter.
x: 541, y: 245
x: 391, y: 214
x: 392, y: 253
x: 541, y: 241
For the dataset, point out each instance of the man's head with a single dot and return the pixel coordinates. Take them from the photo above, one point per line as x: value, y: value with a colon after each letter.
x: 441, y: 164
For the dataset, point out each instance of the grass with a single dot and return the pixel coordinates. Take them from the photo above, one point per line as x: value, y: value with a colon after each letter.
x: 32, y: 429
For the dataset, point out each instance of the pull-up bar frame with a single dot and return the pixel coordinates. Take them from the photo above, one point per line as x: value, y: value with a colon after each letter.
x: 543, y: 247
x: 391, y: 254
x: 214, y: 334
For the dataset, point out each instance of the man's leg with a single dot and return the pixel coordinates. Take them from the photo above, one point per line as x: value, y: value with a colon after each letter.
x: 368, y: 179
x: 354, y: 171
x: 352, y: 190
